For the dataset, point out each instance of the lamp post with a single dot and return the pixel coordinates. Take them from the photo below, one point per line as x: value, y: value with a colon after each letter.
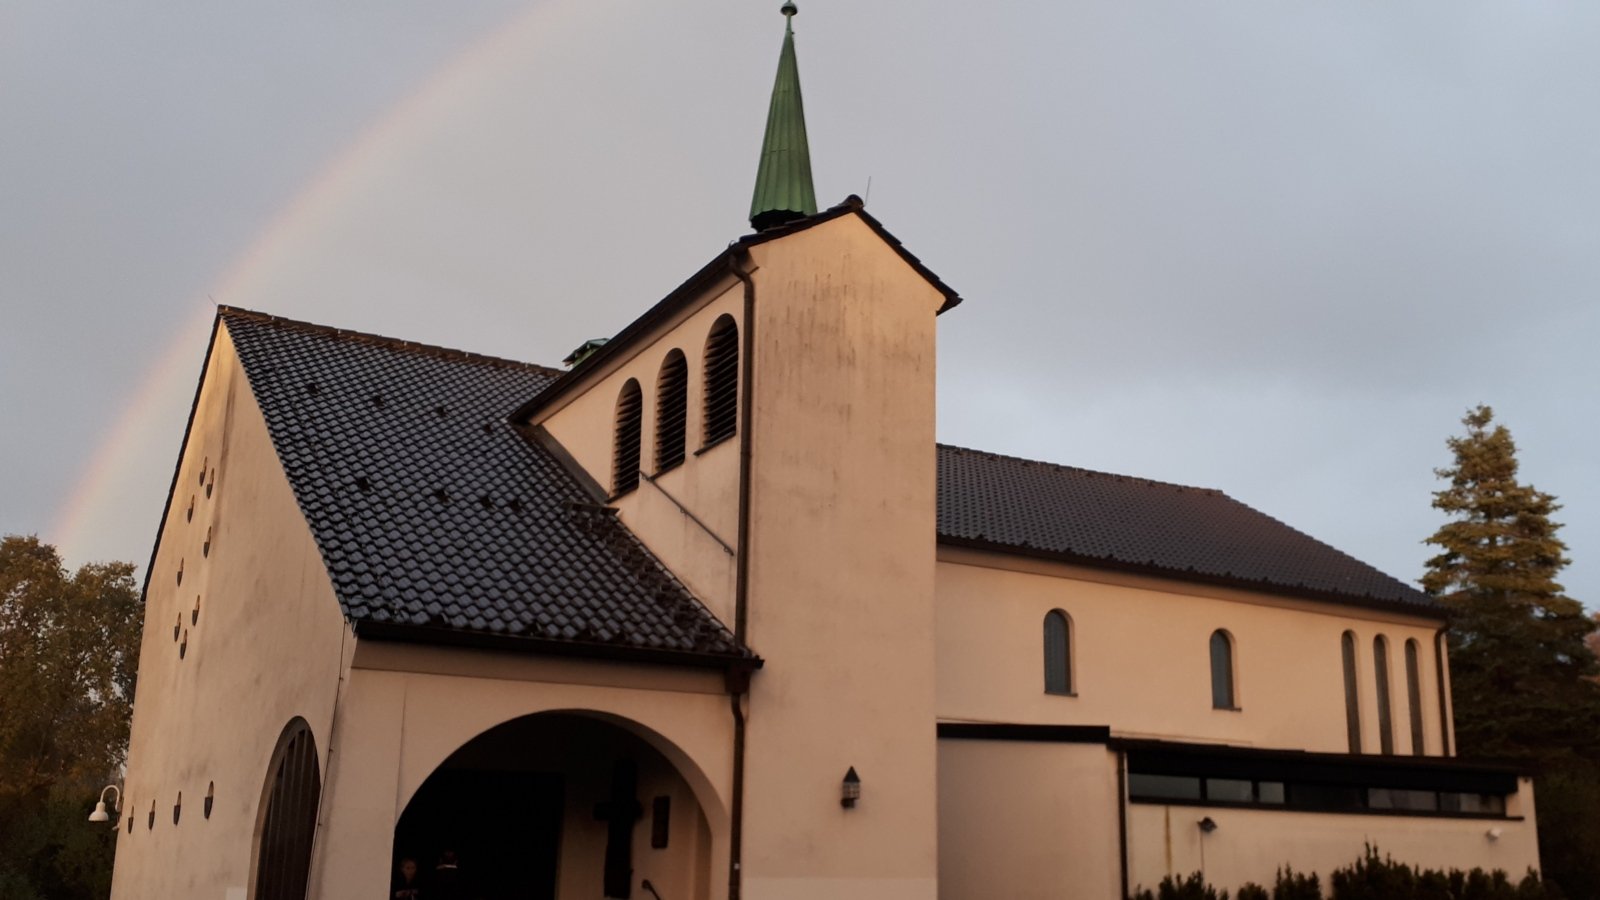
x: 100, y: 814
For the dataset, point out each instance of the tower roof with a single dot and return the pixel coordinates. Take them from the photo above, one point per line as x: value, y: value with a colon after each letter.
x: 784, y: 191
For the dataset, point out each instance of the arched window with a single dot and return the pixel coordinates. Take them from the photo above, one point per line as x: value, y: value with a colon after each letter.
x: 1222, y: 694
x: 630, y: 425
x: 672, y: 410
x: 1057, y: 653
x: 1380, y: 664
x: 1352, y: 692
x: 1414, y: 696
x: 722, y: 381
x: 288, y: 818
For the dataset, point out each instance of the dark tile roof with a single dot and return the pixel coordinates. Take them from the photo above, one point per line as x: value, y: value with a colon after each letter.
x: 437, y: 520
x: 1053, y: 511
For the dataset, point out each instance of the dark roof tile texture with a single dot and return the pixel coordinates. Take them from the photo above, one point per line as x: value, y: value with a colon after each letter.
x: 1184, y: 532
x: 431, y: 511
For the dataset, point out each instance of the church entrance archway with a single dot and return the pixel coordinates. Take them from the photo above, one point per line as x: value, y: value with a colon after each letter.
x: 553, y: 806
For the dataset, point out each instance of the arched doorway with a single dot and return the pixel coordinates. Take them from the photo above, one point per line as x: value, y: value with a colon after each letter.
x: 288, y: 818
x: 558, y: 805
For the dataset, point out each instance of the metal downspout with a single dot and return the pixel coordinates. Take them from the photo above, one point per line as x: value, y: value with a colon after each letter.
x: 1122, y: 819
x: 739, y: 681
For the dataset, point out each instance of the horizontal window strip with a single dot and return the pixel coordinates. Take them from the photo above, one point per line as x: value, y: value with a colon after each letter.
x: 1352, y: 770
x: 1003, y: 731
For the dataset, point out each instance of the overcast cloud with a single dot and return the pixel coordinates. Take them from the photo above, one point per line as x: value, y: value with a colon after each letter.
x: 1276, y: 249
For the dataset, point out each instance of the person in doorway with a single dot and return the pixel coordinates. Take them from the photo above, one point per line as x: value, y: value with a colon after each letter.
x: 405, y: 885
x: 447, y: 879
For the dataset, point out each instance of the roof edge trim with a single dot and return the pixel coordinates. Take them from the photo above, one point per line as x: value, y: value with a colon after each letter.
x: 382, y: 340
x: 674, y: 301
x: 183, y: 449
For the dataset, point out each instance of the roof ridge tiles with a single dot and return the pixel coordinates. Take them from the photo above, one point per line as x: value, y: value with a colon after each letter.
x: 226, y: 312
x: 1136, y: 479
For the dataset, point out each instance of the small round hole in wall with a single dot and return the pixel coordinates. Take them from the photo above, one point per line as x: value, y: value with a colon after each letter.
x: 194, y: 617
x: 211, y: 794
x: 130, y: 824
x: 191, y: 509
x: 150, y: 824
x: 183, y: 648
x: 205, y: 549
x: 177, y: 808
x: 211, y: 482
x: 180, y: 571
x: 204, y: 464
x: 177, y: 627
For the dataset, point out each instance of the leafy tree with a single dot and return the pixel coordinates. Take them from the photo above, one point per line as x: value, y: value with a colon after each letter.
x: 1521, y: 674
x: 68, y: 650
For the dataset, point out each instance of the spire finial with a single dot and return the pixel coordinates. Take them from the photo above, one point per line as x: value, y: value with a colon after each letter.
x: 783, y: 181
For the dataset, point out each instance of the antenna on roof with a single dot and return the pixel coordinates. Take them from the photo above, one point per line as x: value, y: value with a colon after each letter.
x: 868, y: 195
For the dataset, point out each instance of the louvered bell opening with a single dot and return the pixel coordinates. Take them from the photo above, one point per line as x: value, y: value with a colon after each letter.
x: 625, y: 466
x: 722, y: 381
x: 672, y: 411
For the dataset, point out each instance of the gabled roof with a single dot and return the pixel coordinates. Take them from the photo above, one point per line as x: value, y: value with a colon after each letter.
x: 437, y: 520
x: 717, y: 268
x: 1012, y: 505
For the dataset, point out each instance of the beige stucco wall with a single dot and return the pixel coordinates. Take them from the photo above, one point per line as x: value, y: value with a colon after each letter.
x: 1251, y: 845
x: 266, y: 647
x: 841, y: 570
x: 1141, y: 659
x: 1027, y: 821
x: 406, y: 709
x: 707, y: 483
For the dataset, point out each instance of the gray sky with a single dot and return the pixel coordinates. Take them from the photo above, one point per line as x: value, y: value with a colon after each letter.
x: 1276, y: 249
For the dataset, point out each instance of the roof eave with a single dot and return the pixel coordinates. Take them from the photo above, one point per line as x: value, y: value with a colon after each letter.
x: 1434, y: 612
x: 399, y: 632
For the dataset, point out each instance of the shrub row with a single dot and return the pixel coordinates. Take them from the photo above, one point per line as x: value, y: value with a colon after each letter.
x: 1373, y: 877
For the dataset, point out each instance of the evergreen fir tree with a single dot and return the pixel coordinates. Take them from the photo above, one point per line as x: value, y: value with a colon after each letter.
x: 1521, y: 675
x: 1517, y: 653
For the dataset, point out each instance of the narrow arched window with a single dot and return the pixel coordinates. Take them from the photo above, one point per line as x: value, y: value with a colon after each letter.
x: 672, y: 410
x: 722, y: 381
x: 1352, y: 691
x: 1057, y: 653
x: 630, y: 425
x: 1380, y: 665
x: 1414, y: 696
x: 1222, y: 693
x: 288, y: 816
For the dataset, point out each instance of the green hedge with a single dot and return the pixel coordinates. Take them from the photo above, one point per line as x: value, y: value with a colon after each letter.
x: 1372, y: 877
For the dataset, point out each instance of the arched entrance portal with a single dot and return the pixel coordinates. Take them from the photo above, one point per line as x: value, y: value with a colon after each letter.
x: 558, y: 805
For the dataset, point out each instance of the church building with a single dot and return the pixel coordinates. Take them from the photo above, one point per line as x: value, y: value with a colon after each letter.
x: 709, y: 614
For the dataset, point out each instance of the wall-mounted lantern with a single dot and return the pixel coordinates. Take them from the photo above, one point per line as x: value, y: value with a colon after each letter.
x: 100, y: 814
x: 1208, y: 825
x: 850, y: 789
x: 1494, y: 833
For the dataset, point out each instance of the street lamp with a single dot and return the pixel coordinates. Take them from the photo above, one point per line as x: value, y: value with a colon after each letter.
x: 100, y: 814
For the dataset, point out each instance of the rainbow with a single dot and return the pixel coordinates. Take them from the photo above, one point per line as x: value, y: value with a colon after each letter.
x: 91, y: 503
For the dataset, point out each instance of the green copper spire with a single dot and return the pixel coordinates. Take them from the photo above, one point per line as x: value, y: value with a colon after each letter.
x: 783, y: 182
